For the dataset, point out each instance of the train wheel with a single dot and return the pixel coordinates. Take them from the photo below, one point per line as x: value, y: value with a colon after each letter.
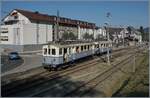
x: 55, y: 69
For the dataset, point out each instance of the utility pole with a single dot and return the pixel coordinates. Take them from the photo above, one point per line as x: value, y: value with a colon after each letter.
x: 57, y: 31
x: 108, y: 15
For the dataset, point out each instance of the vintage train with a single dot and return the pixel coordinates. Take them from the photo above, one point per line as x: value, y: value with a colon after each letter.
x: 58, y: 54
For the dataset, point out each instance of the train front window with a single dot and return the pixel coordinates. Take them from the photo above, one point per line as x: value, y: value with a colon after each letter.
x: 45, y: 51
x: 60, y: 51
x: 81, y: 48
x: 49, y: 51
x: 53, y: 52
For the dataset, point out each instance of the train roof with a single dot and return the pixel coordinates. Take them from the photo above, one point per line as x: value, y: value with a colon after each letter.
x: 73, y: 43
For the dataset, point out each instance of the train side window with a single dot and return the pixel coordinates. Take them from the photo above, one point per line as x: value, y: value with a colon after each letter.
x: 88, y: 47
x: 53, y: 52
x: 45, y: 51
x: 65, y: 51
x: 77, y: 49
x: 97, y: 46
x: 106, y: 45
x: 60, y: 51
x: 49, y: 51
x: 85, y: 47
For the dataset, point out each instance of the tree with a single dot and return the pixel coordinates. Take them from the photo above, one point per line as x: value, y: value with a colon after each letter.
x: 72, y: 36
x: 68, y: 36
x: 65, y: 35
x: 87, y: 36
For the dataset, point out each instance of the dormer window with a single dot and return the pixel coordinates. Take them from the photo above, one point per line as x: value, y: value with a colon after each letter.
x: 14, y: 15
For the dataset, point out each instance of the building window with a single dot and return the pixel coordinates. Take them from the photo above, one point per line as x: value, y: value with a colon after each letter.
x: 4, y: 38
x: 4, y: 31
x: 53, y: 52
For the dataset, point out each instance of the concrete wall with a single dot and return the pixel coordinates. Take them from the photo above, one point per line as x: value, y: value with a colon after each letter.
x: 37, y: 33
x: 10, y: 47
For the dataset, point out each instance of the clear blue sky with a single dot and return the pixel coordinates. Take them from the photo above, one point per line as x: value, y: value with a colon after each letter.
x: 123, y: 12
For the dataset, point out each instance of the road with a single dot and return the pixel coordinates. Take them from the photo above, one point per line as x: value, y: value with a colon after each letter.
x: 25, y: 63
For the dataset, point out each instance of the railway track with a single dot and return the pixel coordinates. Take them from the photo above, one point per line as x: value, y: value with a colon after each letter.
x: 97, y: 80
x: 54, y: 91
x: 51, y: 76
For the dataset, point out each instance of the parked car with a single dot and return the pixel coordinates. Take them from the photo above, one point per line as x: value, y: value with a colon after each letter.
x: 13, y: 56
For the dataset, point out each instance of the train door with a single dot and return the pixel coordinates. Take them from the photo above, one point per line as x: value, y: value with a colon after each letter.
x: 65, y: 56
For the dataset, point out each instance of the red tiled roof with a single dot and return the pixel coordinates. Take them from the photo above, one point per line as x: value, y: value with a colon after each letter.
x: 36, y: 16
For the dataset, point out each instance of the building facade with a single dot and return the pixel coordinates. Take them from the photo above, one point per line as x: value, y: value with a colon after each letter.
x: 25, y: 29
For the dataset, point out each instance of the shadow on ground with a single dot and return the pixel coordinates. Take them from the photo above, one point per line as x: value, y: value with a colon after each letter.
x: 58, y: 87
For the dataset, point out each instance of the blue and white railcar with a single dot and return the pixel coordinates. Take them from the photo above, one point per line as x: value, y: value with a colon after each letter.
x: 55, y: 55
